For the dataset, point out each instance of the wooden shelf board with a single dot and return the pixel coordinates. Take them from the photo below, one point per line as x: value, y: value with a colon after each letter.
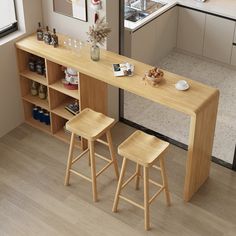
x: 43, y: 103
x: 66, y: 137
x: 39, y: 125
x: 61, y: 111
x: 60, y: 87
x: 34, y: 76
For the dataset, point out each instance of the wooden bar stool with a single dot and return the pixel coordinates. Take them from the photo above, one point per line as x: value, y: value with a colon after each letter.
x: 90, y: 125
x: 145, y: 150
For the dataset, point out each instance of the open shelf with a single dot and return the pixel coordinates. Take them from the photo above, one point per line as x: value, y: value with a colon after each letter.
x: 39, y: 125
x: 61, y: 111
x: 66, y: 137
x: 60, y: 87
x: 28, y: 110
x: 58, y: 131
x: 34, y: 76
x: 43, y: 103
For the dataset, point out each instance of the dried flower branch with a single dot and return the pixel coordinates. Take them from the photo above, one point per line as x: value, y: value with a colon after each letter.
x: 99, y: 31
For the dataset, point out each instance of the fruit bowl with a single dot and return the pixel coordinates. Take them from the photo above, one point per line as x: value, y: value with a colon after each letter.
x: 154, y: 76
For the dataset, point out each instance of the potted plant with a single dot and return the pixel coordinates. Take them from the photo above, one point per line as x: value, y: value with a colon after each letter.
x: 97, y: 35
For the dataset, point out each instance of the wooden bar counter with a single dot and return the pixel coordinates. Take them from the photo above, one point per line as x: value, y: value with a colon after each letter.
x: 200, y: 101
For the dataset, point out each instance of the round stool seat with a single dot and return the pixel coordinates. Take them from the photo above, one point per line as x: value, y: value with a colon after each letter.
x: 89, y: 124
x: 142, y: 148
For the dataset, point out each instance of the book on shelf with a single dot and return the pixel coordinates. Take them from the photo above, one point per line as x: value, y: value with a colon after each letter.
x: 73, y: 107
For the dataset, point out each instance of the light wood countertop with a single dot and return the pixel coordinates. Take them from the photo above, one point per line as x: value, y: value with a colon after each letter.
x: 189, y: 102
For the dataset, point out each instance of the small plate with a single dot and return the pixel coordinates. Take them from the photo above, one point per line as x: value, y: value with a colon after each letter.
x: 182, y: 88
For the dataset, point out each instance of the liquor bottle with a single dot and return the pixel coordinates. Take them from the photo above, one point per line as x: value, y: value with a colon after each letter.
x: 40, y: 65
x: 47, y: 36
x: 39, y: 32
x: 54, y: 39
x: 42, y: 92
x: 32, y: 63
x: 34, y: 88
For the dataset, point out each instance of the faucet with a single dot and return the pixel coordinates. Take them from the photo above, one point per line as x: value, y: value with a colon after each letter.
x: 129, y: 2
x: 143, y: 5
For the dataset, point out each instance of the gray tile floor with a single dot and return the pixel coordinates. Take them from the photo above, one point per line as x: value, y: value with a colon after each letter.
x: 172, y: 123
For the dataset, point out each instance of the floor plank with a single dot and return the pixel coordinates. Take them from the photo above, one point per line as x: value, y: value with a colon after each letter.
x: 34, y: 201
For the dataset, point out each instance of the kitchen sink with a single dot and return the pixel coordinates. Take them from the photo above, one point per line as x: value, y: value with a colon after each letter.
x: 137, y: 16
x: 150, y: 5
x: 134, y: 14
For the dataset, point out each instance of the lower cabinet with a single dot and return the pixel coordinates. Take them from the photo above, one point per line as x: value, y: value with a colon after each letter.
x: 191, y: 28
x: 153, y: 41
x: 233, y: 58
x: 219, y: 34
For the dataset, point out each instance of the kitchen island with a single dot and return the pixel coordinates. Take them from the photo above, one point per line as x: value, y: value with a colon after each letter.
x: 200, y: 102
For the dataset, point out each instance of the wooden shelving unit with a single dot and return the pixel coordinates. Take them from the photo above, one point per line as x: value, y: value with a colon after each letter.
x: 58, y: 97
x: 90, y: 93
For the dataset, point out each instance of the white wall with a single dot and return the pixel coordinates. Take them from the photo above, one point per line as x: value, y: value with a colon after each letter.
x: 68, y: 25
x: 11, y: 112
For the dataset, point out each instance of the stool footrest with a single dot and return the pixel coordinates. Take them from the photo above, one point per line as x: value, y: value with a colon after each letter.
x: 80, y: 155
x: 102, y: 157
x: 155, y: 183
x: 128, y: 180
x: 156, y: 167
x: 103, y: 142
x: 81, y: 175
x: 104, y: 168
x: 156, y: 194
x: 131, y: 202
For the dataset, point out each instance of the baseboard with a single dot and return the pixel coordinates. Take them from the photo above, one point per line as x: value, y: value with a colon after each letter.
x: 177, y: 143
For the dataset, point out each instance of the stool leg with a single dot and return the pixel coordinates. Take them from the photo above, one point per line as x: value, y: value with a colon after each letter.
x: 69, y: 160
x: 118, y: 190
x: 146, y: 198
x: 112, y: 153
x: 89, y: 160
x: 138, y: 167
x: 93, y: 170
x: 165, y: 182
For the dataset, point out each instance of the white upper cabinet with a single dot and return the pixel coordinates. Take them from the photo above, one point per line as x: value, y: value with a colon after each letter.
x: 219, y: 34
x: 191, y: 30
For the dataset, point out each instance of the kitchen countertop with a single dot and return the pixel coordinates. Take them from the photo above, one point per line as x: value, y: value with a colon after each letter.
x: 226, y: 8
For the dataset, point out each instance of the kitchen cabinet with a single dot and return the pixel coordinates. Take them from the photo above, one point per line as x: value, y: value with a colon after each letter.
x: 191, y: 30
x: 154, y: 40
x: 233, y: 58
x: 143, y: 43
x: 219, y: 34
x: 235, y: 34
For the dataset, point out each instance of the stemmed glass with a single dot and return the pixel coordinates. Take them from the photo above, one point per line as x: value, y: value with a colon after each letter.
x: 74, y: 45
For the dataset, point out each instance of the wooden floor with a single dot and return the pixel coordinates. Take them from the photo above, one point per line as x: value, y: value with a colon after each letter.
x: 34, y: 201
